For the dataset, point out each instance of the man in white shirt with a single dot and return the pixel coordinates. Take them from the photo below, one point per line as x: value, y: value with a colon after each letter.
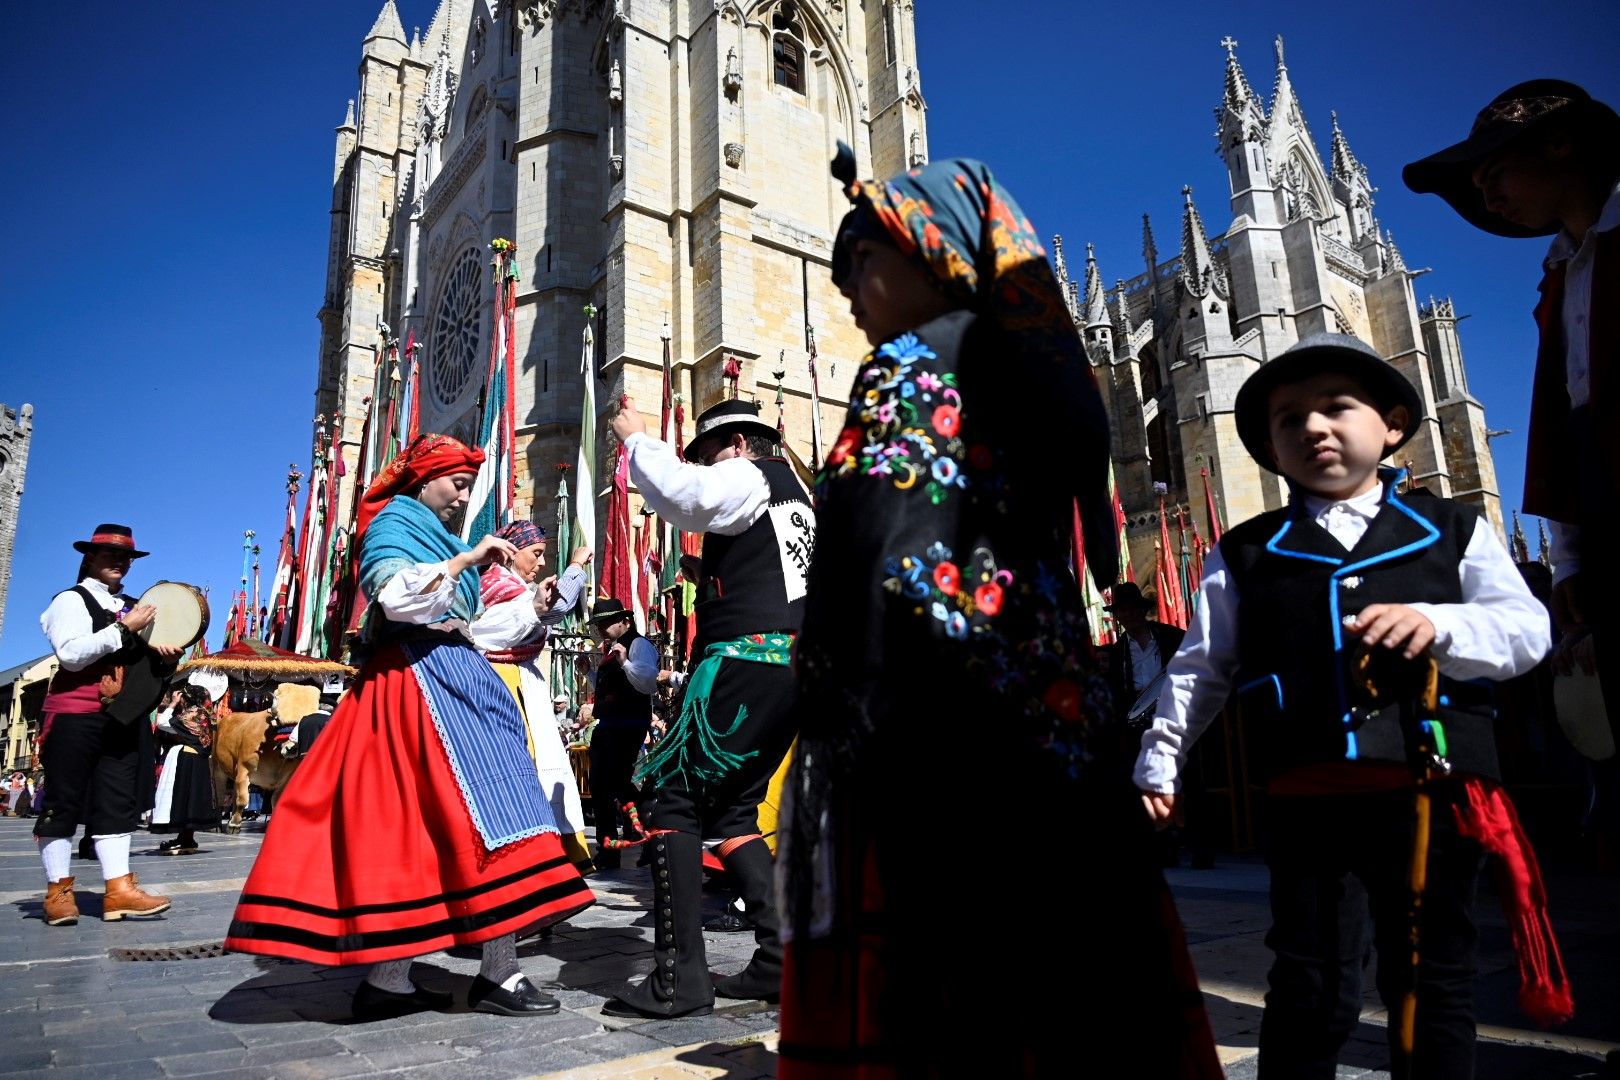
x: 96, y: 742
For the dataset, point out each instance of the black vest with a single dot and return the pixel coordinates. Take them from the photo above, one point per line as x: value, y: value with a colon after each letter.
x: 754, y: 582
x: 618, y: 704
x: 145, y: 677
x: 1295, y: 585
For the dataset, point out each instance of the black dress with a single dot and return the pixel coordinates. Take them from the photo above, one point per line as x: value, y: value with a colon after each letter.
x: 185, y: 786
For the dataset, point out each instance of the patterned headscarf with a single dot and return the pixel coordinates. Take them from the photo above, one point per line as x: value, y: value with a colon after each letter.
x: 522, y: 533
x: 428, y: 458
x: 954, y: 219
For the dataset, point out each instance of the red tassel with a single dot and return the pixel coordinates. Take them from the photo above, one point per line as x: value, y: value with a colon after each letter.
x: 1490, y: 819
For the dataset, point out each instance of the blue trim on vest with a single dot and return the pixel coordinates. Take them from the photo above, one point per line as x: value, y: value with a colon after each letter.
x: 1391, y: 479
x: 1276, y: 685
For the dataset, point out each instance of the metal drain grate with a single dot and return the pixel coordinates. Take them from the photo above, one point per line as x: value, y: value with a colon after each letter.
x: 205, y: 951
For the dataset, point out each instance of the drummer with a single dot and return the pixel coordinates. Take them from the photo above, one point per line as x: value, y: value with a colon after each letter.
x: 93, y: 748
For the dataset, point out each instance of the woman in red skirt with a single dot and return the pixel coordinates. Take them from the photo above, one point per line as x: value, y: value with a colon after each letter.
x: 417, y: 822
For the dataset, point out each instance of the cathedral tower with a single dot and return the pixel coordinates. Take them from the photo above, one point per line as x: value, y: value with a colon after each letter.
x: 16, y: 433
x: 1304, y: 252
x: 664, y: 162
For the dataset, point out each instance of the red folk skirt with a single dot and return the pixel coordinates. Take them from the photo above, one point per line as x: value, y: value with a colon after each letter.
x: 371, y: 853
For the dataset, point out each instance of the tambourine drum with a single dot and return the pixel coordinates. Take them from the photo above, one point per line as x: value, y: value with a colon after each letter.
x: 1140, y: 718
x: 1583, y: 715
x: 182, y: 615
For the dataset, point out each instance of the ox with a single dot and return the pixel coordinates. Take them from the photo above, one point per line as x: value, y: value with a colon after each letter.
x: 244, y: 751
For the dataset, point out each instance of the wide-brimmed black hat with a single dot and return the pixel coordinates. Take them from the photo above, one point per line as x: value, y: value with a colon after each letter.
x: 1314, y: 355
x: 1516, y: 113
x: 726, y: 418
x: 610, y: 609
x: 110, y: 537
x: 1127, y: 594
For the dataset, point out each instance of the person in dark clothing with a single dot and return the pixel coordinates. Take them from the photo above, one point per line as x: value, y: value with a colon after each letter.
x: 710, y: 772
x: 1543, y: 159
x: 626, y: 678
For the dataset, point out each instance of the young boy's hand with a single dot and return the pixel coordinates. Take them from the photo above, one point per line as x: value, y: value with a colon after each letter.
x: 1162, y: 809
x: 1394, y: 626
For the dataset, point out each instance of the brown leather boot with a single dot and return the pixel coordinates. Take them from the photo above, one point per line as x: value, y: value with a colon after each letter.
x: 126, y: 897
x: 60, y: 907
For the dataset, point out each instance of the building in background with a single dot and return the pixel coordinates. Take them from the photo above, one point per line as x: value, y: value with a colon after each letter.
x: 16, y: 432
x: 1304, y: 253
x: 664, y: 162
x: 22, y: 709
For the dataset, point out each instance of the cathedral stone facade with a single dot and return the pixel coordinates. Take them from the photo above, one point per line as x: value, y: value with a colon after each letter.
x: 1304, y: 253
x: 16, y: 432
x: 661, y: 161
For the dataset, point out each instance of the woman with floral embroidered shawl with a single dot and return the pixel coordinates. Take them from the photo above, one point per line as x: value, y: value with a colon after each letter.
x: 941, y: 602
x: 372, y: 857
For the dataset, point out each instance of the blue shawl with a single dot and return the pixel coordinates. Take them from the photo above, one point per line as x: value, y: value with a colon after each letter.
x: 405, y: 533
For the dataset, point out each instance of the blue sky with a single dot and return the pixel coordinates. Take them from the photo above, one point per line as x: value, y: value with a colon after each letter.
x: 168, y: 167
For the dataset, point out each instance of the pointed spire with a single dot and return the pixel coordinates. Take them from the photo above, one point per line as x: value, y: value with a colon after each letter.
x: 1060, y: 267
x: 1096, y: 299
x: 1395, y: 260
x: 1520, y: 546
x: 348, y: 116
x: 1197, y: 265
x: 1545, y: 554
x: 1122, y: 312
x: 1282, y: 88
x: 388, y: 25
x: 1242, y: 116
x: 1345, y: 166
x: 1150, y: 250
x: 416, y: 43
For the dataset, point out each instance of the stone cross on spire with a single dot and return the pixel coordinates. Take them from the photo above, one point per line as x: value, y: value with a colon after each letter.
x: 1230, y: 45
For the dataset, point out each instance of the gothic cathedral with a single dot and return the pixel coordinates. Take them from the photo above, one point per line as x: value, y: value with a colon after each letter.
x: 1304, y: 253
x: 663, y: 162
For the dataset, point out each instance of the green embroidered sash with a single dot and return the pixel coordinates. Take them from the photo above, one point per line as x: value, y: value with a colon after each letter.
x: 691, y: 750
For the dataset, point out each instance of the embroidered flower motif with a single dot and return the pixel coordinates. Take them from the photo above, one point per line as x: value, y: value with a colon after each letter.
x: 1063, y: 698
x: 947, y: 420
x: 948, y: 578
x: 988, y: 597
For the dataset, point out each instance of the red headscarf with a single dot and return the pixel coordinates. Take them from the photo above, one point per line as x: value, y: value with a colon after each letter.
x: 428, y: 458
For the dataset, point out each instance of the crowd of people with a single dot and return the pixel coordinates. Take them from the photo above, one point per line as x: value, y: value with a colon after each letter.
x: 853, y: 641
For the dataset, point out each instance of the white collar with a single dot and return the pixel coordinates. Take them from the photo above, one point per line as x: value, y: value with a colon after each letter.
x: 95, y: 586
x: 1366, y: 505
x: 1564, y: 246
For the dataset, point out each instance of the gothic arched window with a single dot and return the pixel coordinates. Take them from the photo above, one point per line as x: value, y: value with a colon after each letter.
x: 787, y: 48
x: 458, y: 324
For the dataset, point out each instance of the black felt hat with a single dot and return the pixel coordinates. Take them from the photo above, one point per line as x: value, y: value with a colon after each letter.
x: 610, y: 609
x: 1312, y: 356
x: 110, y: 537
x: 726, y: 418
x: 1516, y: 113
x: 1127, y: 594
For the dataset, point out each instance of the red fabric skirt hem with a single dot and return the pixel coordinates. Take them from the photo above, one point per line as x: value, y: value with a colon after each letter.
x: 372, y: 854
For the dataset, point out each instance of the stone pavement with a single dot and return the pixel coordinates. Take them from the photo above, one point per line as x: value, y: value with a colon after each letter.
x: 70, y: 1007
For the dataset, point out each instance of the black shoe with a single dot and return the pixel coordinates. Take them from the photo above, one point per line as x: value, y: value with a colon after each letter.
x: 526, y: 1000
x: 374, y: 1003
x: 749, y: 985
x: 607, y: 859
x: 728, y: 922
x: 620, y: 1007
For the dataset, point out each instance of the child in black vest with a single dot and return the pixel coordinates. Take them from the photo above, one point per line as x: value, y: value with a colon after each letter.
x: 1289, y: 599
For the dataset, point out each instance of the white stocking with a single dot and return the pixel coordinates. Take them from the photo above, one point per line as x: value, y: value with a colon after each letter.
x: 57, y: 853
x: 113, y: 851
